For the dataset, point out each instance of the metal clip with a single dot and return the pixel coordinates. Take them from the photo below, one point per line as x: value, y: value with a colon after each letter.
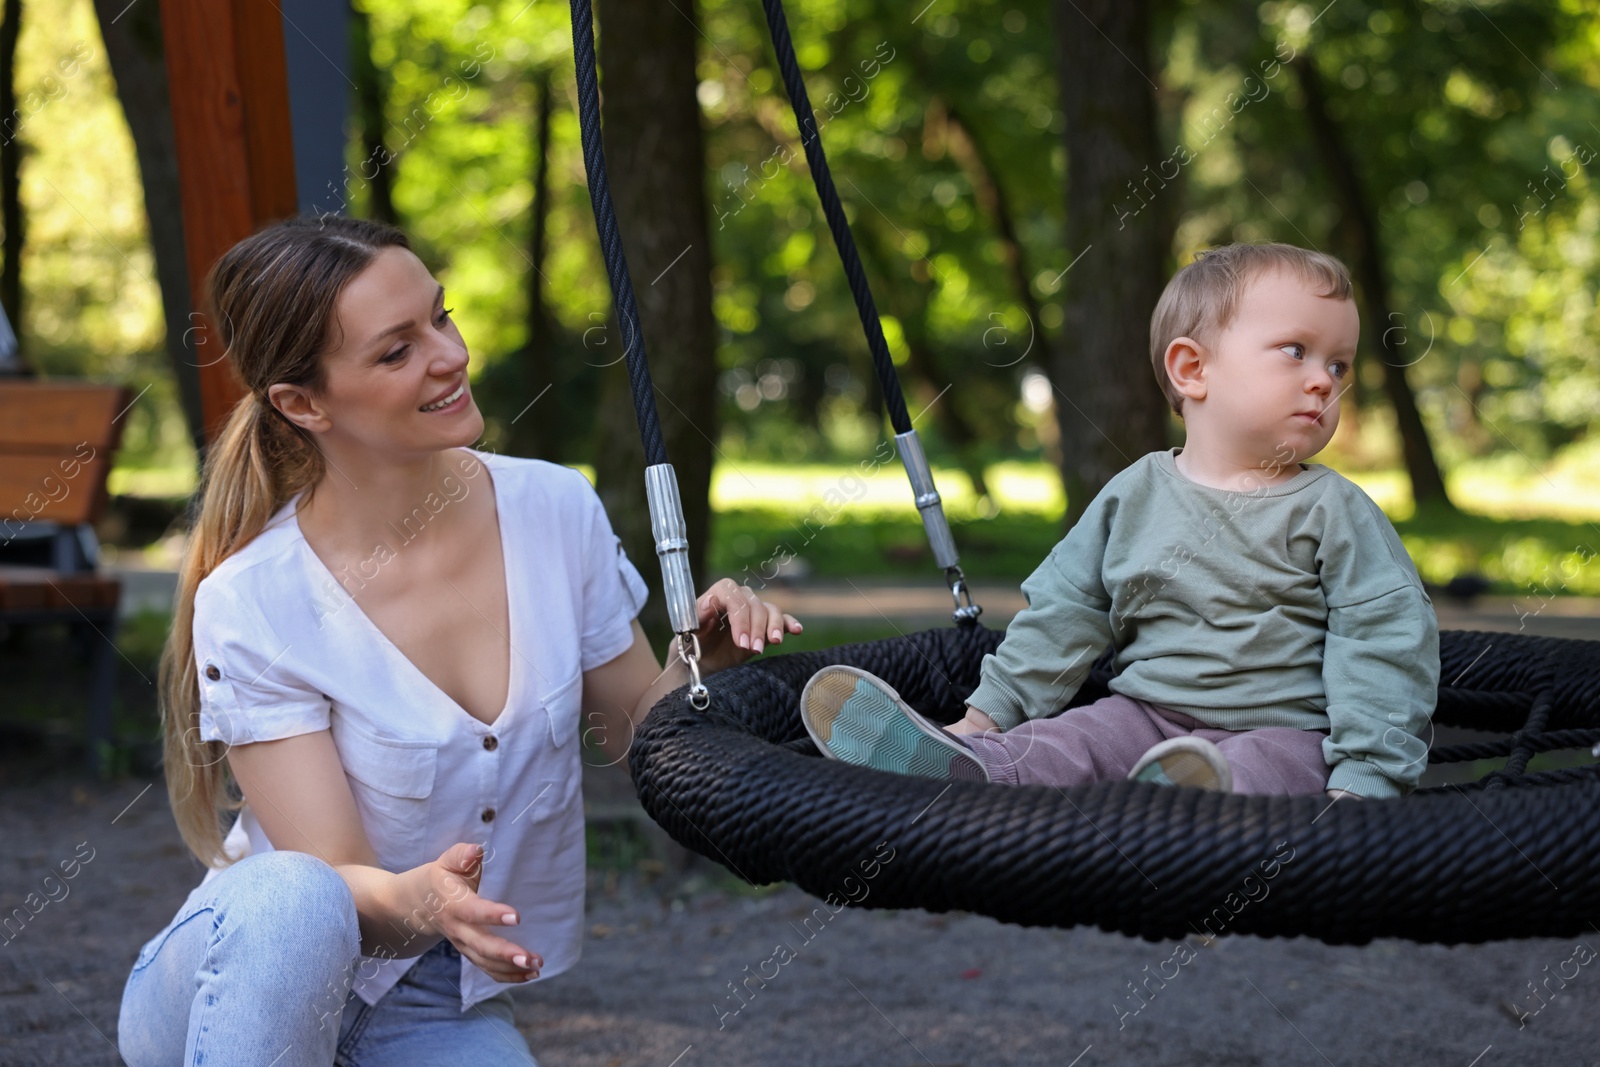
x: 966, y: 612
x: 671, y: 538
x: 689, y: 649
x: 926, y: 494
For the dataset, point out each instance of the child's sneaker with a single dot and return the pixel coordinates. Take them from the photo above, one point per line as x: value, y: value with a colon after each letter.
x: 1191, y: 761
x: 856, y: 717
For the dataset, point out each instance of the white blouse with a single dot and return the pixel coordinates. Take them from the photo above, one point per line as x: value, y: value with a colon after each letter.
x: 282, y: 649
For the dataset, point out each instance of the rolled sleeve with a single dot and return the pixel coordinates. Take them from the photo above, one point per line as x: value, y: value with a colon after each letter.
x: 248, y: 691
x: 1381, y: 673
x: 1380, y: 662
x: 613, y: 591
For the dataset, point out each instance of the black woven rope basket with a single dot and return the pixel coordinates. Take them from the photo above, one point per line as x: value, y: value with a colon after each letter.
x: 1512, y: 855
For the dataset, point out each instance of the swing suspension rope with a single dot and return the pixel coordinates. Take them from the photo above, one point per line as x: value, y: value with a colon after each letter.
x: 671, y: 545
x: 909, y: 445
x: 667, y: 527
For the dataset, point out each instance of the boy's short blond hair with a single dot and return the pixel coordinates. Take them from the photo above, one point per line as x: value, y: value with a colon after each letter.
x: 1201, y: 299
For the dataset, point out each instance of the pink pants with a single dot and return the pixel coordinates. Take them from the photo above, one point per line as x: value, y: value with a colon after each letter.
x: 1102, y: 741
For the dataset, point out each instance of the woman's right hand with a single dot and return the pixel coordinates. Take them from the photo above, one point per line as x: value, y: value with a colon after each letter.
x: 464, y: 917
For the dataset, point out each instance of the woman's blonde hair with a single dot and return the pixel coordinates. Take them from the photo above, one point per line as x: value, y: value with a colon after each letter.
x: 1202, y: 298
x: 271, y: 298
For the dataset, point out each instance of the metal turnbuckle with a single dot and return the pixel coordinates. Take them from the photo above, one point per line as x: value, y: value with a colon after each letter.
x: 689, y: 649
x: 966, y: 612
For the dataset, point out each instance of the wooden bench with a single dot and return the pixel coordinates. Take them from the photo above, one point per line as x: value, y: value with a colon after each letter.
x: 56, y: 444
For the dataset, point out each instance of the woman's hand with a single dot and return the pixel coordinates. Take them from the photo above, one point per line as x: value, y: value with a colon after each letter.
x: 455, y: 910
x: 735, y: 624
x: 1344, y: 794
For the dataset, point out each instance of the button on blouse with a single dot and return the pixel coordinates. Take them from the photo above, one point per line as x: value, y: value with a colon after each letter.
x: 283, y: 649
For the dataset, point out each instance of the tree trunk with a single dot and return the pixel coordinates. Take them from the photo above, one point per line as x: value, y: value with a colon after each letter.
x: 377, y: 168
x: 542, y: 434
x: 11, y: 174
x: 1360, y: 227
x: 1107, y: 403
x: 138, y: 62
x: 656, y: 162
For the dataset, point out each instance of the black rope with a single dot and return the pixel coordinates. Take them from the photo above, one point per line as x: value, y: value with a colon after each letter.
x: 1500, y: 748
x: 1509, y: 856
x: 605, y: 220
x: 1522, y: 741
x: 811, y: 139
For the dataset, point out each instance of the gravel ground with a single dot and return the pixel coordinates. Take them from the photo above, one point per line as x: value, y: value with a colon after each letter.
x: 880, y: 988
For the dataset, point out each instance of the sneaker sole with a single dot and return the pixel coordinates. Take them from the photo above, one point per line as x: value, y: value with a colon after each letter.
x: 1181, y: 768
x: 858, y: 719
x: 1184, y: 767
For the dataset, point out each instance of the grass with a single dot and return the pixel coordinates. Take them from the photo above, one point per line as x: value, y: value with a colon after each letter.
x: 1519, y: 556
x: 1528, y: 557
x: 1528, y: 531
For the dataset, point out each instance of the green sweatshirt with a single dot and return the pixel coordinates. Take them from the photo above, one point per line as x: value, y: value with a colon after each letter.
x: 1287, y: 605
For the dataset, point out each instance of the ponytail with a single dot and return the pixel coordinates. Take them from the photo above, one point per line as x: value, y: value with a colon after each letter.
x: 273, y: 298
x: 258, y: 462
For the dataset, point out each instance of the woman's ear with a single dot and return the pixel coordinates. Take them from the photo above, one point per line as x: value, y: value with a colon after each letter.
x: 1186, y: 367
x: 298, y: 406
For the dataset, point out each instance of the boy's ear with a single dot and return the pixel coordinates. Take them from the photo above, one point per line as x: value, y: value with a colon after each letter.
x: 1185, y: 365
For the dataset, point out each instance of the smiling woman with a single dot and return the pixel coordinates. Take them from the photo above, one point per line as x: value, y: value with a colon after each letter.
x: 383, y: 369
x: 406, y: 743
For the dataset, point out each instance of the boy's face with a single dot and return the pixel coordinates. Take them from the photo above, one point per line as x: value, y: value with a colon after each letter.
x: 1273, y: 377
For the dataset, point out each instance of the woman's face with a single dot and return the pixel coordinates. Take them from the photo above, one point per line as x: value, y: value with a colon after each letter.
x: 396, y: 378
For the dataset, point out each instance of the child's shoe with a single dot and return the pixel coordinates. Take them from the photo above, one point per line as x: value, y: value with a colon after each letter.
x: 856, y: 717
x: 1191, y: 761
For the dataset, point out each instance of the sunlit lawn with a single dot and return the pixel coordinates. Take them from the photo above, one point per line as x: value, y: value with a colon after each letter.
x: 1534, y: 533
x: 1527, y: 531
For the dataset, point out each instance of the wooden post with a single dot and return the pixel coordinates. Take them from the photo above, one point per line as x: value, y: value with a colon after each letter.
x: 230, y: 119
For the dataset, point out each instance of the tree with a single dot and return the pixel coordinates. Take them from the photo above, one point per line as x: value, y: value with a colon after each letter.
x: 138, y: 62
x: 544, y: 434
x: 1108, y: 409
x: 1372, y: 275
x: 371, y: 96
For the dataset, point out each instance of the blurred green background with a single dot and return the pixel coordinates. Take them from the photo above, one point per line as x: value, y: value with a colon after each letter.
x: 1472, y: 128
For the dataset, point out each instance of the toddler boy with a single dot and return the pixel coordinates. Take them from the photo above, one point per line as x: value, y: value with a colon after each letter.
x: 1271, y: 633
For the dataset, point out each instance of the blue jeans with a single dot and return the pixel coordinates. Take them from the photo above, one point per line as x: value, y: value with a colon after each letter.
x: 255, y: 968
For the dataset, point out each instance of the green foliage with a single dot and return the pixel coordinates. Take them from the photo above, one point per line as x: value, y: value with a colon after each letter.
x: 751, y: 543
x: 1532, y: 559
x: 92, y: 307
x: 1474, y: 127
x: 794, y: 359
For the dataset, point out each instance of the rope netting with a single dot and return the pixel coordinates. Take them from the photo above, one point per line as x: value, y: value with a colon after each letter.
x: 1514, y: 854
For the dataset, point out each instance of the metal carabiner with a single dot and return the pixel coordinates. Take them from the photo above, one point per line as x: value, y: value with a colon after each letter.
x: 689, y: 649
x: 966, y: 612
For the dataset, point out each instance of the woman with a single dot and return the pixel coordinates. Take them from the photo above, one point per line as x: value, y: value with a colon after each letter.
x: 389, y: 639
